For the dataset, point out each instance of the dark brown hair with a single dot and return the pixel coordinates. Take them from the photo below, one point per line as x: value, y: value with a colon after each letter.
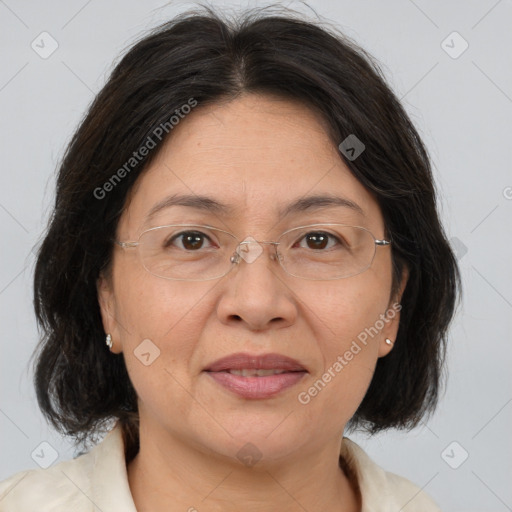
x: 80, y: 385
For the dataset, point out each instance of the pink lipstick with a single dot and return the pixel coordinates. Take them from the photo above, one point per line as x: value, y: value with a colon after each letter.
x: 256, y: 376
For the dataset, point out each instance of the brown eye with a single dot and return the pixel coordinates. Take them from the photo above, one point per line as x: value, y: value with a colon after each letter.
x: 190, y: 240
x: 316, y: 240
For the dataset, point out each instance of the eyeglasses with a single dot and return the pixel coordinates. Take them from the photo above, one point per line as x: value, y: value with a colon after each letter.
x: 194, y: 252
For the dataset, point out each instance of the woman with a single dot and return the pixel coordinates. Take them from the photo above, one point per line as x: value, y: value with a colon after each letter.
x: 244, y: 261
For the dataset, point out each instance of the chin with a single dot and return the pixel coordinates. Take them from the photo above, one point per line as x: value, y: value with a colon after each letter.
x: 274, y: 434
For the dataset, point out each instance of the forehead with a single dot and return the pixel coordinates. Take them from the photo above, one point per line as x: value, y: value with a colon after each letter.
x: 256, y: 155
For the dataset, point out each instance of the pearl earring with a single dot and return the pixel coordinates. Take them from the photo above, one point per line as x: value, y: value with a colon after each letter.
x: 388, y: 341
x: 108, y: 341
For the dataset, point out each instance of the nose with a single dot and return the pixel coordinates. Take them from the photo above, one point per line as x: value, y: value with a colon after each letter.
x: 255, y: 292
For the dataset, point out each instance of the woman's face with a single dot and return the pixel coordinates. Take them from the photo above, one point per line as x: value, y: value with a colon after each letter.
x: 255, y: 155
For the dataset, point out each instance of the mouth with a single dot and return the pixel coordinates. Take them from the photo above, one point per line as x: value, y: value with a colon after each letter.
x: 252, y: 372
x: 256, y: 376
x: 242, y: 361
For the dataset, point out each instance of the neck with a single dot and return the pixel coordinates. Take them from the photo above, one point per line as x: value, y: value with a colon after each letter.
x: 170, y: 474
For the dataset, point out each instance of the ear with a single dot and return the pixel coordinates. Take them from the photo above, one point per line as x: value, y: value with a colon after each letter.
x: 106, y: 300
x: 391, y: 317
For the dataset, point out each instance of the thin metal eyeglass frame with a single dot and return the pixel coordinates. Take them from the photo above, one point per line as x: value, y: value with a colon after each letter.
x: 235, y: 257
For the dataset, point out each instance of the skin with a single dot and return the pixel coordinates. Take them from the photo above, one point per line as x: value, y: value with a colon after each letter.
x: 256, y: 154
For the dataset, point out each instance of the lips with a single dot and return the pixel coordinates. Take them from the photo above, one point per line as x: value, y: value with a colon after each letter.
x: 256, y: 376
x: 243, y: 361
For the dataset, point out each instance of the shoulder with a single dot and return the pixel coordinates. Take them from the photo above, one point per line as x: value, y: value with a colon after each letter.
x: 381, y: 490
x: 410, y: 497
x: 96, y: 480
x: 55, y: 488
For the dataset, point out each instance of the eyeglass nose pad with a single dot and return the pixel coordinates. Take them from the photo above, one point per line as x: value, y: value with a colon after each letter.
x: 249, y: 250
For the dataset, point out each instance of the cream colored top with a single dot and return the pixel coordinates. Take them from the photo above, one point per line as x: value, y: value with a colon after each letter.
x: 98, y: 481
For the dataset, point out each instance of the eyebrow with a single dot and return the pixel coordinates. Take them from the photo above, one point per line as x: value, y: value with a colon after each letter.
x: 202, y: 203
x: 208, y: 204
x: 319, y: 201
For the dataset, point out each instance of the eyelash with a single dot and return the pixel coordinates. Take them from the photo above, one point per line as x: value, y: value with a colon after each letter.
x: 204, y: 235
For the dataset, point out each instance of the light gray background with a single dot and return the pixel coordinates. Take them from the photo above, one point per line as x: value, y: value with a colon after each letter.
x: 463, y: 109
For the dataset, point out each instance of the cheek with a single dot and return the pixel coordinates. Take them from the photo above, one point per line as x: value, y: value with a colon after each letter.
x: 162, y: 319
x: 344, y: 311
x: 151, y: 307
x: 346, y: 316
x: 351, y: 339
x: 166, y: 322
